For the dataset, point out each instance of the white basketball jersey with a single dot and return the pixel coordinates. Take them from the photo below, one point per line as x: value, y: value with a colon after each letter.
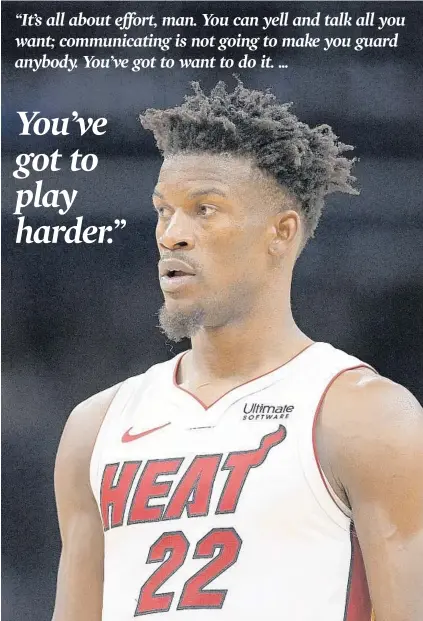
x: 222, y: 513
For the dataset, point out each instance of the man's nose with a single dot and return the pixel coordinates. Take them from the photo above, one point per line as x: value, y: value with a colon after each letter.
x: 177, y: 232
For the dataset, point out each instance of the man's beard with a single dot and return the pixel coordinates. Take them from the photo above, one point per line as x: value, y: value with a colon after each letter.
x: 213, y: 313
x: 181, y: 324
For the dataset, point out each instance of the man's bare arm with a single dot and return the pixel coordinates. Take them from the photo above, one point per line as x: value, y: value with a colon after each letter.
x: 375, y: 433
x: 80, y: 578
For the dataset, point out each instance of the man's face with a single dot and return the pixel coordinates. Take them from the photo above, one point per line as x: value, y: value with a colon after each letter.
x: 214, y: 217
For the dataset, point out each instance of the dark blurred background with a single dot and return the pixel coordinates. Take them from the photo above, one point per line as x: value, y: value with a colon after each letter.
x: 78, y: 318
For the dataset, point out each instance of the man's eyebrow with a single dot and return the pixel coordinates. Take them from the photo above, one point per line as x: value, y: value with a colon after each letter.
x: 207, y: 191
x: 157, y: 193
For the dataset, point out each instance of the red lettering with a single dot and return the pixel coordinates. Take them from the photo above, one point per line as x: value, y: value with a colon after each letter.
x: 116, y: 496
x: 196, y: 482
x: 149, y: 488
x: 239, y: 463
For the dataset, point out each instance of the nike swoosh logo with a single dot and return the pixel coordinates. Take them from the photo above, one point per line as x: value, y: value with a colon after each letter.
x: 127, y: 437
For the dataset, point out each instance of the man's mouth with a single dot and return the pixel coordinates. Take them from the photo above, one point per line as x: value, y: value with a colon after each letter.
x: 175, y: 274
x: 175, y: 268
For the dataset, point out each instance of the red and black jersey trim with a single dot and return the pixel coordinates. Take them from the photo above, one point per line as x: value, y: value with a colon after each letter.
x: 358, y: 606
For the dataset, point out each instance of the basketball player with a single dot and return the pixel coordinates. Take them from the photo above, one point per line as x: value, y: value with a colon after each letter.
x: 260, y: 475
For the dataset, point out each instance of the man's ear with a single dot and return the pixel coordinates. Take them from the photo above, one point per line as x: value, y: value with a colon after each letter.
x: 286, y: 233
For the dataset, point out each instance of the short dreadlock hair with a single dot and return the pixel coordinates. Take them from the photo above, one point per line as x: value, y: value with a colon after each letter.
x: 307, y: 161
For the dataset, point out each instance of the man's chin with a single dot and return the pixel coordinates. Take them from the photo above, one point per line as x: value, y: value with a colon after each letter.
x: 178, y: 321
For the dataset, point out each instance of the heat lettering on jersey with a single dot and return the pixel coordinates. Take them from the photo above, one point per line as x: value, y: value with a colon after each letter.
x: 193, y: 492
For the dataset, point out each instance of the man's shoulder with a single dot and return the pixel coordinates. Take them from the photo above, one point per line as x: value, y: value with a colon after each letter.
x: 362, y: 397
x: 90, y: 413
x: 96, y: 405
x: 84, y: 422
x: 368, y: 420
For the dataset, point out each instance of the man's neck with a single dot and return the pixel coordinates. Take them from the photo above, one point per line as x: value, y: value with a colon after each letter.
x: 243, y: 350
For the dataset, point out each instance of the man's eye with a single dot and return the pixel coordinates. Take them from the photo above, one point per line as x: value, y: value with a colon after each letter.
x: 162, y: 212
x: 206, y: 210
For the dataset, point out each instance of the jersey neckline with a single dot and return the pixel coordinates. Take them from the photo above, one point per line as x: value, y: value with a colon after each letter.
x: 238, y: 391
